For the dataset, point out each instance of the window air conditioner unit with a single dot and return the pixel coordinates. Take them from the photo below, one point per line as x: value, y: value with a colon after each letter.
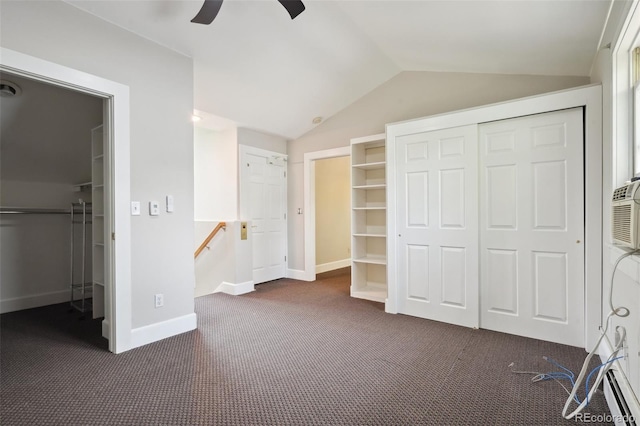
x: 625, y: 220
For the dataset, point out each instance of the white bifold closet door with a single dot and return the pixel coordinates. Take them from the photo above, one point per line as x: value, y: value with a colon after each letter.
x: 437, y: 223
x: 532, y: 226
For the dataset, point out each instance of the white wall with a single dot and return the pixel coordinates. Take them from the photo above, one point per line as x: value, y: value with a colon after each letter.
x: 406, y: 96
x: 616, y: 161
x: 28, y: 240
x: 215, y: 175
x: 229, y: 260
x: 215, y: 264
x: 161, y: 137
x: 262, y: 140
x: 333, y: 212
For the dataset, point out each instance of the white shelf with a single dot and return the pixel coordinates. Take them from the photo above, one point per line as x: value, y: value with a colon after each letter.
x: 370, y: 166
x: 368, y: 218
x: 374, y: 294
x: 370, y: 208
x: 82, y: 187
x: 371, y: 235
x: 373, y: 186
x: 373, y: 259
x: 98, y: 167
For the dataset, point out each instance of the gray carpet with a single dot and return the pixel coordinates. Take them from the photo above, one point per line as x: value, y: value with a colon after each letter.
x: 290, y: 353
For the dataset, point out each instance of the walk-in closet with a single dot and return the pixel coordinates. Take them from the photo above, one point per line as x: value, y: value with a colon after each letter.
x: 51, y: 202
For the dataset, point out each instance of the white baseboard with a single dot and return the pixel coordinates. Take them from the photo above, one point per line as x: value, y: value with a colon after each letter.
x: 152, y: 333
x: 297, y: 274
x: 331, y: 266
x: 105, y: 329
x: 33, y: 301
x: 235, y: 289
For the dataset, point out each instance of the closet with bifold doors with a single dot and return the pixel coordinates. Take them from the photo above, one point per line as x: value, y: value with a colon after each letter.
x: 488, y: 224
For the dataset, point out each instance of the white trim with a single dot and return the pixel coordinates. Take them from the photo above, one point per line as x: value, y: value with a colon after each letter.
x: 310, y: 205
x: 105, y: 329
x: 119, y: 290
x: 235, y: 289
x: 587, y: 96
x: 332, y: 266
x: 297, y: 274
x: 161, y: 330
x: 33, y: 301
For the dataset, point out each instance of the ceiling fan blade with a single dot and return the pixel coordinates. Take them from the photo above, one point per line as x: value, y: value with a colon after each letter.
x: 294, y: 7
x: 208, y: 12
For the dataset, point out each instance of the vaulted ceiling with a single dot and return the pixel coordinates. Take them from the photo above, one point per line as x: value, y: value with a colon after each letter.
x: 257, y: 67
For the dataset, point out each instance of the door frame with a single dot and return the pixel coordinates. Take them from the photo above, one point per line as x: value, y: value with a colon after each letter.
x: 242, y: 185
x: 589, y: 97
x: 309, y: 273
x: 116, y: 109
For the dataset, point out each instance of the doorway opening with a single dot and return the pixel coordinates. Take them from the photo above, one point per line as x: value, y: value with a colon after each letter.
x: 111, y: 209
x: 53, y: 199
x: 333, y: 213
x: 310, y: 159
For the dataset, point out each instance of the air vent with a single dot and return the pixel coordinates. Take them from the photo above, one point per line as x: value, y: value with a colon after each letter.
x: 627, y: 416
x: 620, y: 193
x: 622, y: 223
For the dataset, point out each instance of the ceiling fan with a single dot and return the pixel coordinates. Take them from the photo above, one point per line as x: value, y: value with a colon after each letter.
x: 210, y: 9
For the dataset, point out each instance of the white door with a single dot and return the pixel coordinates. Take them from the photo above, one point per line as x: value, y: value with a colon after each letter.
x: 437, y: 211
x: 263, y: 202
x: 532, y: 226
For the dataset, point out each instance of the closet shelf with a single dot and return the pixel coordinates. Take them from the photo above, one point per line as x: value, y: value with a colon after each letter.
x: 373, y: 259
x: 370, y: 208
x: 370, y: 166
x: 82, y: 187
x: 368, y: 218
x: 372, y: 186
x: 371, y: 292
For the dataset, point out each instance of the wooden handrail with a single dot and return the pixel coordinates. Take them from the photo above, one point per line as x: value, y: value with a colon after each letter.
x: 221, y: 225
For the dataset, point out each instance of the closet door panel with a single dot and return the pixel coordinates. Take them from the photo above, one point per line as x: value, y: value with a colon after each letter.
x: 532, y: 226
x: 437, y: 225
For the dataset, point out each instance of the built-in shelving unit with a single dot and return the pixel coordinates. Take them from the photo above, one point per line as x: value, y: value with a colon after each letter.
x: 98, y: 217
x: 368, y: 218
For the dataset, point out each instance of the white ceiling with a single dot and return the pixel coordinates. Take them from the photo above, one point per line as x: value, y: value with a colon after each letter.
x: 255, y: 66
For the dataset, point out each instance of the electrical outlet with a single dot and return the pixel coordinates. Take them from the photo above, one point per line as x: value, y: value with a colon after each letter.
x: 159, y: 299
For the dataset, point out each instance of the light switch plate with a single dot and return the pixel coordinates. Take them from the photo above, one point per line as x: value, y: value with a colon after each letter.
x: 135, y: 208
x: 154, y: 208
x: 169, y: 203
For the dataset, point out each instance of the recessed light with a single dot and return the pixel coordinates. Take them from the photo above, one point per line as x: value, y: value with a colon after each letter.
x: 9, y: 89
x: 317, y: 120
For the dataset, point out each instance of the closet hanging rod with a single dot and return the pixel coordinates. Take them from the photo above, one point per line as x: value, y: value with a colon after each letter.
x: 12, y: 210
